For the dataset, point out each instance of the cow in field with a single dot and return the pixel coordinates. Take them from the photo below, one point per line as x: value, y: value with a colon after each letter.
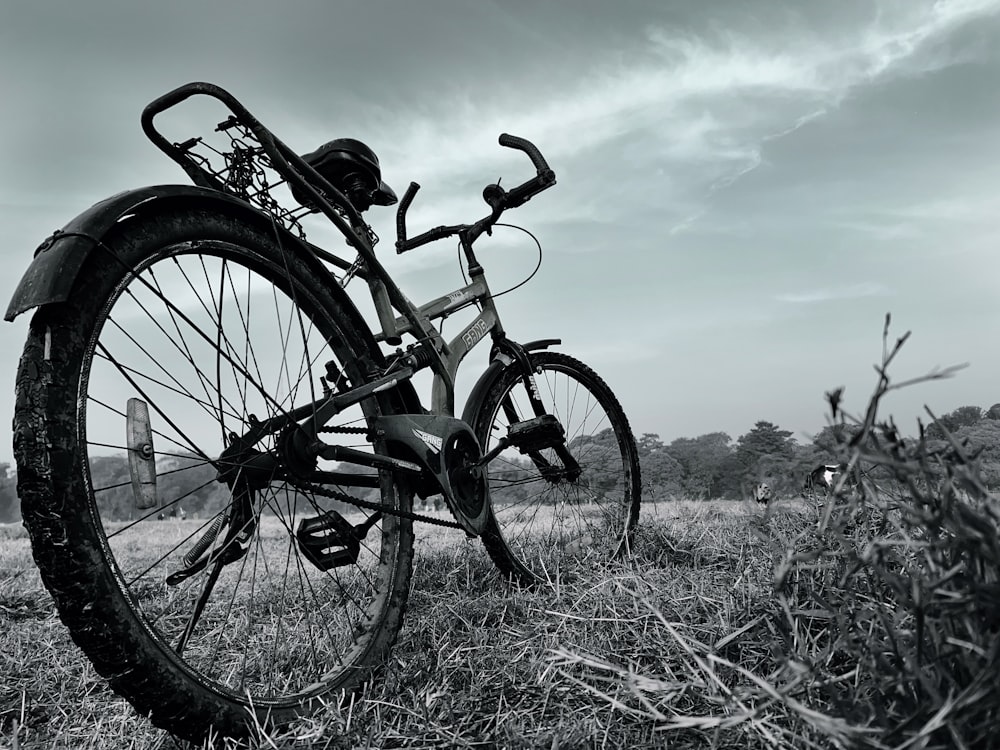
x: 762, y: 493
x: 435, y: 502
x: 172, y: 513
x: 823, y: 477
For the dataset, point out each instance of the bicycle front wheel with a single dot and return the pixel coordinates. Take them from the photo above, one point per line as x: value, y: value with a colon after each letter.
x: 548, y: 518
x: 154, y: 440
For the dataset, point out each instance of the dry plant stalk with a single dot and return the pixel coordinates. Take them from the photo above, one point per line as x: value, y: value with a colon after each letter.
x: 905, y: 562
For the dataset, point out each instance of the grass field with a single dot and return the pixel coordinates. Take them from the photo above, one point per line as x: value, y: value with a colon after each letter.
x: 688, y: 645
x: 477, y: 663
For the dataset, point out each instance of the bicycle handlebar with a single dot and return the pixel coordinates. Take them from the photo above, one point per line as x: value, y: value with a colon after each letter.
x: 498, y: 199
x: 522, y: 144
x: 404, y: 204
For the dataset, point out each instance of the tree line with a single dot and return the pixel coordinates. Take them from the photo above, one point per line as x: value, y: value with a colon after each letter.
x: 707, y: 467
x: 713, y: 466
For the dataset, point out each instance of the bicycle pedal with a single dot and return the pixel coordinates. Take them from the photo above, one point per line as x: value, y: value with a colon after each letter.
x: 330, y: 541
x: 536, y: 434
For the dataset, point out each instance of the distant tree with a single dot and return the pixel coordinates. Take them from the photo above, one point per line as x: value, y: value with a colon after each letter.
x: 662, y: 474
x: 112, y: 483
x: 10, y: 509
x: 189, y: 482
x: 509, y: 477
x: 765, y: 439
x: 993, y: 412
x: 984, y: 438
x: 183, y: 481
x: 600, y: 454
x: 648, y: 443
x: 963, y: 416
x: 763, y: 455
x: 728, y: 479
x: 704, y: 460
x: 828, y: 440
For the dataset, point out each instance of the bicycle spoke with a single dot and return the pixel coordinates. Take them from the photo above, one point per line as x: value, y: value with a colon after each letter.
x: 209, y: 356
x: 541, y: 517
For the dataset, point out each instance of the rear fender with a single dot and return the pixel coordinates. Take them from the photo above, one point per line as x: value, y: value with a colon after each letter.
x: 58, y: 260
x: 53, y: 271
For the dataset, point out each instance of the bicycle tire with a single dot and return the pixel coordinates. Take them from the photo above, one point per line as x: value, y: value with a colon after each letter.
x: 538, y: 528
x: 216, y: 326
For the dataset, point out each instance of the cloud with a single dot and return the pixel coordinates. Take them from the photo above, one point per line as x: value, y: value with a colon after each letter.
x: 688, y: 113
x: 974, y: 207
x: 834, y: 294
x: 874, y: 229
x: 908, y: 36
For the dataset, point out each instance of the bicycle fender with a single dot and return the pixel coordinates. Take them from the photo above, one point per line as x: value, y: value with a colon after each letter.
x: 53, y: 271
x: 490, y: 375
x: 58, y: 260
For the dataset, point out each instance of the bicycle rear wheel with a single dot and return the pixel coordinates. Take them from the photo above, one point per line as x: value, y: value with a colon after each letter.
x: 183, y: 575
x: 544, y: 520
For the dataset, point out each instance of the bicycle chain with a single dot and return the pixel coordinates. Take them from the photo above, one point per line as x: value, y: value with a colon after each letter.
x: 320, y: 489
x: 346, y: 430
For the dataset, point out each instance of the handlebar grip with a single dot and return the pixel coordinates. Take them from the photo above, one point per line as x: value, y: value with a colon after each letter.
x: 523, y: 144
x: 404, y: 205
x: 431, y: 235
x: 523, y: 193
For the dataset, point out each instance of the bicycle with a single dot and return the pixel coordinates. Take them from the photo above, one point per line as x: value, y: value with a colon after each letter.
x: 194, y: 330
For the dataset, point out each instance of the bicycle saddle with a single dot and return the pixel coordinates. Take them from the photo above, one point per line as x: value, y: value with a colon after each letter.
x: 351, y: 167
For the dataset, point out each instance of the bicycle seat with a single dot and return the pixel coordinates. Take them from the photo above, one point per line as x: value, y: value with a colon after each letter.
x: 353, y: 168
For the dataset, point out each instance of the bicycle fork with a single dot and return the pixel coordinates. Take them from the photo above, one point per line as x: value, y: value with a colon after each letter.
x: 533, y: 435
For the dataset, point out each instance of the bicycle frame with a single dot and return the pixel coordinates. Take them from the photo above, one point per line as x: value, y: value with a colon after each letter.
x: 417, y: 321
x: 448, y: 356
x: 251, y: 154
x: 181, y: 313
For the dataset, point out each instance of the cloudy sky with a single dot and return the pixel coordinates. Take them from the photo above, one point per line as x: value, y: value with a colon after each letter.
x: 745, y: 188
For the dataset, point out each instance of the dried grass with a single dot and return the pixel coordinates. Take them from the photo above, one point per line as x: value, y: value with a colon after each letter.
x: 869, y: 620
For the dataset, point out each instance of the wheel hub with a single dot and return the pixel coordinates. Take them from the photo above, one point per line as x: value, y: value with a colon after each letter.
x: 241, y: 462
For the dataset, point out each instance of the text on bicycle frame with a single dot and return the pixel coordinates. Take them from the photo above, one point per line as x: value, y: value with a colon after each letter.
x: 475, y: 332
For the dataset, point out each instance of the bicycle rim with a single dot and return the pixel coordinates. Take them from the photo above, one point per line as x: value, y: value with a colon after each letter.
x: 543, y: 525
x: 199, y: 342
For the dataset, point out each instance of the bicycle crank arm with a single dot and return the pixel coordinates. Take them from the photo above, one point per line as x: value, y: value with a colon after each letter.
x: 502, y: 445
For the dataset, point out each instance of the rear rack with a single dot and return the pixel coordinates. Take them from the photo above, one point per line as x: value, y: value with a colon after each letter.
x: 252, y: 164
x: 245, y: 159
